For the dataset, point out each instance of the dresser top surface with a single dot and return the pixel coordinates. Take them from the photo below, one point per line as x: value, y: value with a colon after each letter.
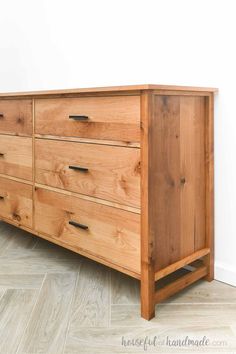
x: 117, y: 89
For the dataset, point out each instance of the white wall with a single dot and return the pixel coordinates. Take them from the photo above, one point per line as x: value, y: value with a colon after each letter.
x: 47, y: 44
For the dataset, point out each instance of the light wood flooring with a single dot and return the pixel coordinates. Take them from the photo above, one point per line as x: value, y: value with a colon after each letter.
x: 54, y: 301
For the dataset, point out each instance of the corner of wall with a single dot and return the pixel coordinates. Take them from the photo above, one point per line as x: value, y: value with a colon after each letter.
x: 225, y: 273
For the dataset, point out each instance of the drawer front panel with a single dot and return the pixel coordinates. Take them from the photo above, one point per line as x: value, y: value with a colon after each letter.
x: 16, y: 156
x: 112, y: 118
x: 16, y: 202
x: 106, y: 172
x: 16, y: 117
x: 113, y: 234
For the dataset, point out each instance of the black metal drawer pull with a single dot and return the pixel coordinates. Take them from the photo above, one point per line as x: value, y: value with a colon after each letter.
x: 1, y: 154
x: 76, y: 224
x: 1, y: 197
x: 78, y: 168
x: 1, y: 115
x: 78, y: 117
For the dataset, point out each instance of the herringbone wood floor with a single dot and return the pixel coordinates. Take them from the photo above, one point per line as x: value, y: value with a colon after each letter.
x: 54, y: 301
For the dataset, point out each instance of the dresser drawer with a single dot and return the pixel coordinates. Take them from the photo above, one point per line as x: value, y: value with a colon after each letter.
x: 16, y: 117
x: 16, y: 156
x: 16, y: 202
x: 107, y: 172
x: 112, y: 118
x: 112, y: 234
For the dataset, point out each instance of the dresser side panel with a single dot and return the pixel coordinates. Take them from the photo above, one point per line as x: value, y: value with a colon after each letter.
x: 177, y: 177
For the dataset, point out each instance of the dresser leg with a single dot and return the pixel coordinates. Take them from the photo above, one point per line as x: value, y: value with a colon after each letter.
x: 209, y: 262
x: 148, y: 313
x: 147, y: 293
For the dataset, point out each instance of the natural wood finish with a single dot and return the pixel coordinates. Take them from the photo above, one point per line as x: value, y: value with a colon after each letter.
x: 180, y: 284
x: 113, y: 172
x: 147, y: 193
x: 112, y: 234
x: 113, y: 118
x: 182, y: 93
x: 71, y: 248
x: 183, y: 262
x: 209, y: 147
x: 16, y: 117
x: 147, y: 232
x: 165, y: 184
x: 116, y: 89
x: 199, y: 175
x: 178, y: 185
x: 16, y: 156
x: 129, y: 144
x: 92, y: 199
x: 16, y: 201
x: 192, y: 169
x: 33, y: 160
x: 16, y: 179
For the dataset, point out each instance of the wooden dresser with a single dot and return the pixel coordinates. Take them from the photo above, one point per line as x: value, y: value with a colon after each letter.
x: 121, y: 175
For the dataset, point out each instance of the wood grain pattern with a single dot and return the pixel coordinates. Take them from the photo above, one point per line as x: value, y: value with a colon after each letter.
x: 204, y: 293
x: 178, y: 191
x: 124, y: 289
x: 16, y: 202
x: 15, y: 308
x: 174, y: 318
x: 180, y: 284
x: 192, y: 170
x: 16, y: 117
x: 91, y: 305
x: 148, y: 154
x: 115, y: 89
x: 147, y: 231
x: 113, y: 234
x: 181, y: 263
x: 108, y: 340
x: 70, y: 247
x: 209, y: 147
x: 187, y: 172
x: 24, y: 261
x: 16, y: 156
x: 199, y: 176
x: 89, y: 141
x: 113, y: 172
x: 92, y: 199
x: 202, y: 309
x: 165, y: 214
x: 16, y: 179
x: 47, y: 327
x: 21, y: 281
x: 113, y: 118
x: 192, y: 128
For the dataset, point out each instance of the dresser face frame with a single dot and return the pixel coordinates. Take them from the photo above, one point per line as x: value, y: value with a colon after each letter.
x: 176, y: 145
